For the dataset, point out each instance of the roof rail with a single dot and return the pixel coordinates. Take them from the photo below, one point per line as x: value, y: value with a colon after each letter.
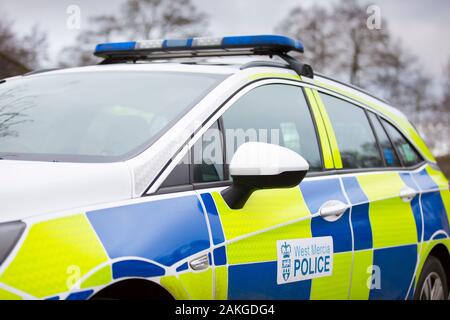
x: 205, y: 47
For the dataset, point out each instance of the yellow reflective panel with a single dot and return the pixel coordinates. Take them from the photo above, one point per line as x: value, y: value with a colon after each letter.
x: 100, y: 277
x: 174, y: 287
x: 438, y: 177
x: 378, y: 186
x: 361, y: 275
x: 325, y: 145
x: 221, y: 283
x: 391, y: 218
x: 262, y: 247
x: 336, y: 286
x: 331, y: 135
x: 445, y: 194
x: 264, y: 209
x: 198, y: 284
x: 404, y: 124
x: 6, y: 295
x: 54, y: 256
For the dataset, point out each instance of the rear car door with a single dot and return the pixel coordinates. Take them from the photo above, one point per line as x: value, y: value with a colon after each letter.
x: 256, y: 247
x: 385, y: 214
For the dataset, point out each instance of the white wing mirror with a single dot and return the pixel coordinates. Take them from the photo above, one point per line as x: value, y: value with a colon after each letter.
x: 257, y: 165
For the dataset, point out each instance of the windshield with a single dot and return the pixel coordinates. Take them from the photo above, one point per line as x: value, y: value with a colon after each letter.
x: 93, y: 116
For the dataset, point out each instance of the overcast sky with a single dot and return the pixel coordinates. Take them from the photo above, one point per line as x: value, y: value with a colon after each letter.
x: 422, y: 26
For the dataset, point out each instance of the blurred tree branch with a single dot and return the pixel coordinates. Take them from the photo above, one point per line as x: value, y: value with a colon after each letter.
x: 340, y: 43
x: 19, y: 55
x: 137, y: 19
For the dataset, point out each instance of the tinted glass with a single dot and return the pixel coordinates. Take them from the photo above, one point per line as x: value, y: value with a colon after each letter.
x: 355, y: 138
x: 277, y: 114
x: 208, y: 156
x: 93, y: 115
x: 406, y: 151
x: 386, y: 146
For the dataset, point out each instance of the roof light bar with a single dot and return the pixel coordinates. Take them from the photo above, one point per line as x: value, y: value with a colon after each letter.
x: 167, y: 48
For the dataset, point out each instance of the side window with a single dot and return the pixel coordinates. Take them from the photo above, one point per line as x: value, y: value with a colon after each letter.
x: 406, y: 151
x: 355, y: 138
x: 277, y: 114
x: 207, y: 156
x: 386, y: 146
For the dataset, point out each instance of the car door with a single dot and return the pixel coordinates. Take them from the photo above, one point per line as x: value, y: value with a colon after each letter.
x: 257, y: 249
x: 385, y: 215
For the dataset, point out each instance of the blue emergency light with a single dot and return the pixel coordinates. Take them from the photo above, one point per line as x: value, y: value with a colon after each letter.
x: 166, y: 48
x: 205, y: 47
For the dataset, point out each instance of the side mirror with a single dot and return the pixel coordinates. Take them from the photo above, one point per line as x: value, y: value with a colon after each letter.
x: 257, y: 165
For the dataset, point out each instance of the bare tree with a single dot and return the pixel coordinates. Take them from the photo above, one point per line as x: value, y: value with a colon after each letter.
x: 313, y: 25
x: 149, y: 19
x: 19, y: 55
x: 340, y: 43
x: 137, y: 19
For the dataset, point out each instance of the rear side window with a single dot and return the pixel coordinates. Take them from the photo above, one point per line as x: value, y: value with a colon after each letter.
x: 354, y: 135
x: 390, y: 156
x: 409, y: 156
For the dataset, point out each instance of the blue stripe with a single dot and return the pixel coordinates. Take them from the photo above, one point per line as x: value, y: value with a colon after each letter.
x: 258, y: 281
x: 136, y: 268
x: 394, y: 284
x: 213, y: 217
x: 424, y: 180
x: 183, y: 267
x: 220, y: 256
x: 433, y: 209
x: 81, y: 295
x: 362, y: 230
x: 434, y: 214
x: 165, y: 231
x: 317, y: 192
x: 415, y: 203
x: 339, y: 230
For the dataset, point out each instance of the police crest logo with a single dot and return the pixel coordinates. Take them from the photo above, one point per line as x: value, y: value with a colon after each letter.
x: 286, y: 262
x: 303, y: 259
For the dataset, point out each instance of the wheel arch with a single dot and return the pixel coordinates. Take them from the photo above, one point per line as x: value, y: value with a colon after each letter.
x: 133, y: 289
x: 439, y: 250
x: 442, y: 253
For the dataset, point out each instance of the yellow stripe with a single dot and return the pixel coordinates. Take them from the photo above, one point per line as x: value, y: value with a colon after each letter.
x: 173, y: 285
x: 262, y: 247
x: 334, y: 287
x: 326, y: 150
x: 361, y: 275
x: 198, y: 284
x: 330, y: 131
x: 54, y: 255
x: 400, y: 121
x: 100, y: 277
x: 6, y: 295
x: 221, y: 283
x: 391, y: 218
x: 264, y: 209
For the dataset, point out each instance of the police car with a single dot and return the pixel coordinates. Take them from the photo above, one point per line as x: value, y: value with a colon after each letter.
x: 176, y: 170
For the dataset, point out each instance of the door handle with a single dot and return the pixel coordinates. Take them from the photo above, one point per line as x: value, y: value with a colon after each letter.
x: 332, y: 210
x: 407, y: 194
